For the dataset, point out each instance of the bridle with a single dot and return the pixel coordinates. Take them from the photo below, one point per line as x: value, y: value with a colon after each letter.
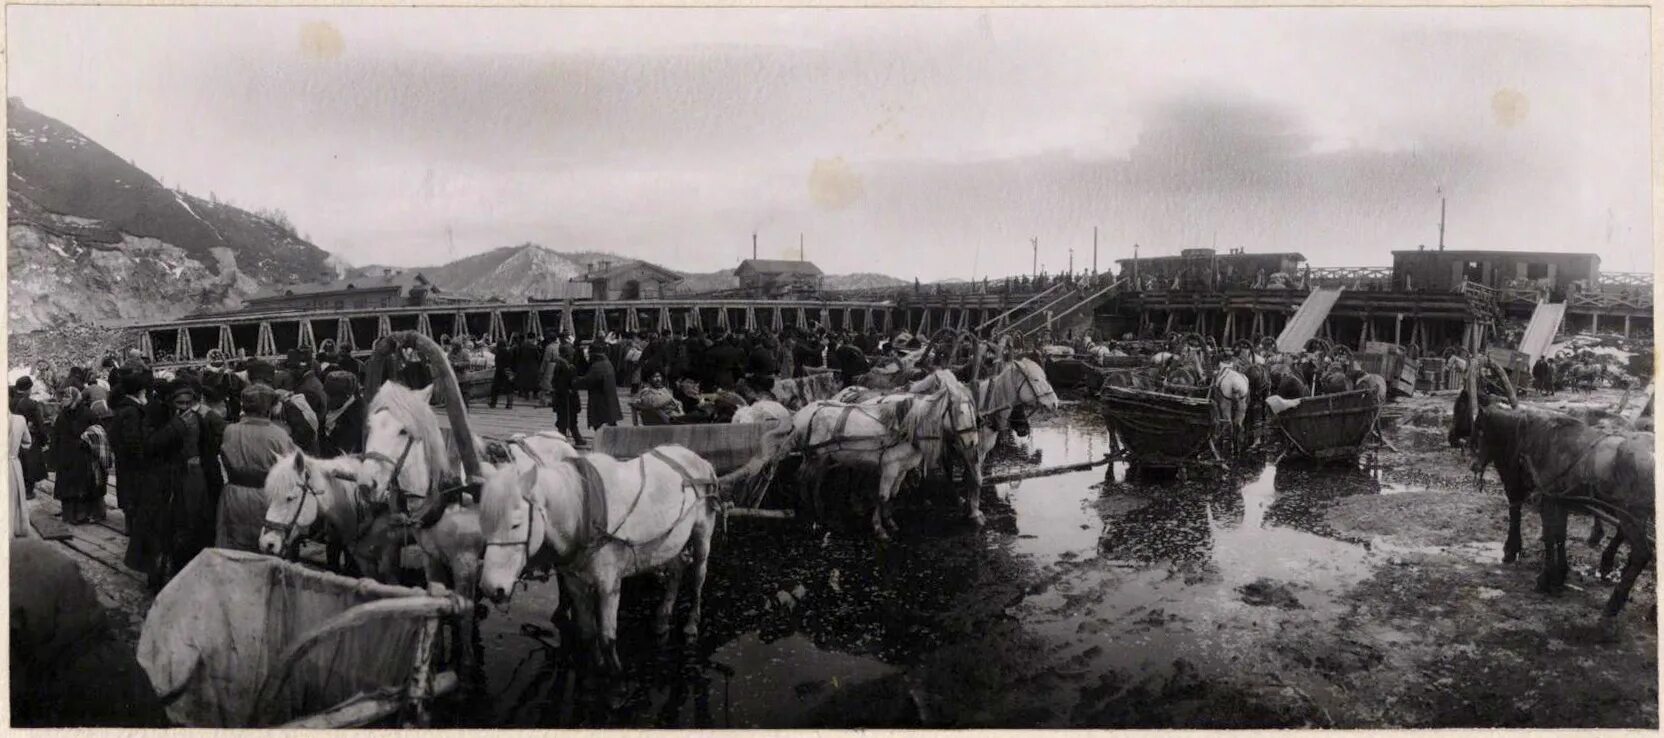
x: 307, y: 491
x: 532, y: 509
x: 393, y: 487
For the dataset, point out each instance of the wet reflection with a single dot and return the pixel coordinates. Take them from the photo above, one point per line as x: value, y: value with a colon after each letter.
x: 1074, y: 585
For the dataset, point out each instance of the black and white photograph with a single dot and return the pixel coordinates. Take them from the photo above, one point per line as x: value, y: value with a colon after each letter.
x: 710, y: 368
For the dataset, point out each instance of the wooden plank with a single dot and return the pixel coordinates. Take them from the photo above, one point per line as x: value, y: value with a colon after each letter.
x: 49, y: 527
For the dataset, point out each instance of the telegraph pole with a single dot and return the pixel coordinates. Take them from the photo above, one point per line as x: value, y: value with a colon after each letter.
x: 1441, y: 218
x: 1071, y: 260
x: 753, y: 245
x: 800, y: 256
x: 1094, y: 249
x: 1035, y: 242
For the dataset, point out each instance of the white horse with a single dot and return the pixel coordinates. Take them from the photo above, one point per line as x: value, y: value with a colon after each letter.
x: 302, y: 489
x: 959, y: 426
x: 1230, y: 396
x: 893, y: 438
x: 1019, y: 382
x: 604, y: 520
x: 406, y: 450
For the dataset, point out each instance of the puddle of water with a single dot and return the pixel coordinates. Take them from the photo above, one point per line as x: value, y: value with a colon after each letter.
x: 1124, y: 580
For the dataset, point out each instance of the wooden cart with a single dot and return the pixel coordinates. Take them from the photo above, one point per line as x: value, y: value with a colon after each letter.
x: 241, y: 640
x: 1334, y: 426
x: 1158, y: 430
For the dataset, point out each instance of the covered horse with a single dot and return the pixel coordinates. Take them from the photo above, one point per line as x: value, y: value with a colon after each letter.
x: 602, y: 520
x: 891, y: 438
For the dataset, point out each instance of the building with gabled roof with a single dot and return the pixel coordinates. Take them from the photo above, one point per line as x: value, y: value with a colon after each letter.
x: 775, y: 277
x: 629, y: 280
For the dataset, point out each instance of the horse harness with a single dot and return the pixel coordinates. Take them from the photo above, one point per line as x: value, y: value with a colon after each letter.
x: 594, y: 532
x: 838, y: 438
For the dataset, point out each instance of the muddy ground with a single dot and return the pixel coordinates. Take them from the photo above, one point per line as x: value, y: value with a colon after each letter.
x: 1270, y: 596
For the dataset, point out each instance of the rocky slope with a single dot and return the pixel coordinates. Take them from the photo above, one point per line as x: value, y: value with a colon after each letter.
x: 92, y: 237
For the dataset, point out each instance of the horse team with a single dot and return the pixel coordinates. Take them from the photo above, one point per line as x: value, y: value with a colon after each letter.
x: 595, y: 520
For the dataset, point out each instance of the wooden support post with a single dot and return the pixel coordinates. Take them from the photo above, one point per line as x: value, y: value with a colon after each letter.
x: 1626, y: 326
x: 182, y: 345
x: 1397, y: 328
x: 306, y: 341
x: 568, y: 323
x: 534, y: 323
x: 228, y: 345
x: 343, y: 335
x: 425, y: 326
x: 1594, y: 324
x: 497, y: 330
x: 266, y: 345
x: 147, y: 348
x: 384, y: 327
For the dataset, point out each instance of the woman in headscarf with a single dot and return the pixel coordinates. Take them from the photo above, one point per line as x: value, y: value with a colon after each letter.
x: 73, y: 485
x: 252, y: 445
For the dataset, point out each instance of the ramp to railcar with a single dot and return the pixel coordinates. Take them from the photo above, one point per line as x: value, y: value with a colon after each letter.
x: 1540, y: 332
x: 1306, y: 321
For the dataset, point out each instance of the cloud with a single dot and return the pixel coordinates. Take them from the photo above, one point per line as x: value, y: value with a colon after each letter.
x: 919, y: 142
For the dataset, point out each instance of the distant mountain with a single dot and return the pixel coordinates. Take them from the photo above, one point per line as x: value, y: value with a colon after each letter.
x: 93, y: 237
x: 517, y: 272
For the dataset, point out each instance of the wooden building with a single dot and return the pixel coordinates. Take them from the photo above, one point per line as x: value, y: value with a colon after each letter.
x: 630, y: 280
x: 1446, y: 271
x: 389, y: 289
x: 776, y: 278
x: 1206, y: 269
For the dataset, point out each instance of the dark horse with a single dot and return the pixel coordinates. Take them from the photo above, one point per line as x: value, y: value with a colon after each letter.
x: 1542, y: 376
x: 1569, y: 467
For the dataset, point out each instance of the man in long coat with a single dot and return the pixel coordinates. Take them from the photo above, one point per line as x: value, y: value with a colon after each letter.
x: 602, y: 384
x: 528, y: 363
x: 128, y: 429
x: 175, y: 446
x: 502, y: 373
x: 558, y: 375
x: 250, y: 449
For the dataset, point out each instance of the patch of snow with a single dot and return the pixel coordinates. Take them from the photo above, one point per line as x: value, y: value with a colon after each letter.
x: 181, y: 199
x: 59, y: 249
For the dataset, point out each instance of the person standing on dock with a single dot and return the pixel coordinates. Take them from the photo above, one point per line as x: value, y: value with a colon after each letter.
x: 16, y: 443
x: 33, y: 459
x: 602, y: 384
x: 563, y: 399
x: 75, y: 483
x: 180, y: 493
x: 502, y: 375
x: 250, y: 449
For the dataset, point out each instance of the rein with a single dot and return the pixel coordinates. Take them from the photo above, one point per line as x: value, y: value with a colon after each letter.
x: 393, y: 485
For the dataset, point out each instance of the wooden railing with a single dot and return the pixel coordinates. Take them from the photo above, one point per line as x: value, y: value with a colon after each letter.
x: 1610, y: 301
x: 1619, y: 280
x: 1350, y: 277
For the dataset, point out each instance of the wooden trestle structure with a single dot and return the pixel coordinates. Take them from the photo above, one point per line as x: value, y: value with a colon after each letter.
x: 1426, y: 319
x: 189, y: 340
x: 1365, y: 311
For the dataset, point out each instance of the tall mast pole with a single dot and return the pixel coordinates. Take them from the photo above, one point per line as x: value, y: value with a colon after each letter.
x: 753, y: 244
x: 1441, y: 220
x: 1094, y: 249
x: 1035, y: 267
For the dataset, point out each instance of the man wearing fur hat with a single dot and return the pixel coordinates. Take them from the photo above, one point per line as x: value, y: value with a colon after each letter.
x: 180, y: 495
x: 343, y: 431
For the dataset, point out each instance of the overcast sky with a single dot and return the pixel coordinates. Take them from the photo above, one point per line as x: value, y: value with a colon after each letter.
x: 928, y: 143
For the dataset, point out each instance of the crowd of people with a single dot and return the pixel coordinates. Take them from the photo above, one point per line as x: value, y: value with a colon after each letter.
x: 189, y: 449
